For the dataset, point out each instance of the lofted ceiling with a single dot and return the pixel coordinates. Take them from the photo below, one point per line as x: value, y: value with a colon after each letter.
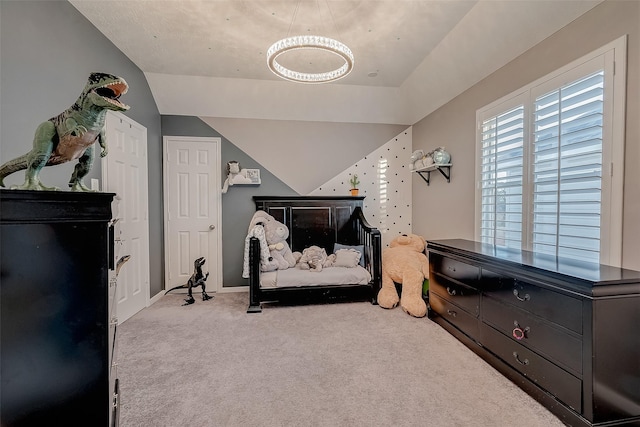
x: 207, y: 57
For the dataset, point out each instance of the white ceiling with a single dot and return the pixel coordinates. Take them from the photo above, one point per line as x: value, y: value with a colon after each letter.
x: 207, y: 57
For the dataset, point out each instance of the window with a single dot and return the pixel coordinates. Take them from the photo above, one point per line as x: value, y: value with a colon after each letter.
x: 550, y: 160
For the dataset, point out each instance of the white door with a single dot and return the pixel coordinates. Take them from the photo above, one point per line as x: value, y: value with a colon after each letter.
x: 192, y: 210
x: 124, y: 172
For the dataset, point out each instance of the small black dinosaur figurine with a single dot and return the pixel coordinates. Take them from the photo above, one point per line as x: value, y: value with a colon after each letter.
x: 196, y: 279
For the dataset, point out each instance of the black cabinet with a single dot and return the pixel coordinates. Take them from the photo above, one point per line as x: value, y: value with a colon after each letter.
x: 57, y: 327
x: 561, y: 329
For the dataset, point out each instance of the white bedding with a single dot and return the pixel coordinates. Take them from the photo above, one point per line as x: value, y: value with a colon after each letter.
x: 295, y: 277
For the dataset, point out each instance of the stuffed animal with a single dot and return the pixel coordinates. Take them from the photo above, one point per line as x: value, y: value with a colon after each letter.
x: 276, y: 234
x: 405, y: 263
x: 416, y: 156
x: 256, y: 229
x: 419, y: 160
x: 315, y: 258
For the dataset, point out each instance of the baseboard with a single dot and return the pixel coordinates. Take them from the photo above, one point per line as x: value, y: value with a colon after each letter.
x: 154, y: 299
x: 230, y: 289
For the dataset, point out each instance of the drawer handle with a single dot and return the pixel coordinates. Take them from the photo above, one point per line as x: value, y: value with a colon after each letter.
x: 451, y: 292
x: 452, y: 313
x: 451, y: 269
x: 522, y: 362
x: 517, y: 294
x: 518, y: 332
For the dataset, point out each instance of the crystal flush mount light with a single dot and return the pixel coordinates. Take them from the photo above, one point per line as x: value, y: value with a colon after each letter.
x: 309, y: 42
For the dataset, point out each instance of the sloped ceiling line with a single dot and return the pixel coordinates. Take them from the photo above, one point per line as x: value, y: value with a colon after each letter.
x: 301, y: 154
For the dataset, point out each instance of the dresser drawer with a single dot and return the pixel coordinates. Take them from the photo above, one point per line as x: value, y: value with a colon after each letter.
x: 564, y: 386
x: 550, y: 305
x: 455, y: 315
x: 528, y: 330
x: 455, y: 269
x: 463, y: 296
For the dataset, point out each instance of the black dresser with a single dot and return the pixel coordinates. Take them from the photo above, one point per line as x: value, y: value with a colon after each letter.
x: 564, y: 330
x: 57, y: 333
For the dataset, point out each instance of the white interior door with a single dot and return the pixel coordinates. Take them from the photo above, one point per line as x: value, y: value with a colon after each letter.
x: 192, y: 210
x: 124, y: 172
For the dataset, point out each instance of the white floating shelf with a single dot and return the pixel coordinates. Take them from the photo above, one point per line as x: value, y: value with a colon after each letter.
x: 439, y: 167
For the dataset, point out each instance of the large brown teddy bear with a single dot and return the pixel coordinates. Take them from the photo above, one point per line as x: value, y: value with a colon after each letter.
x: 404, y: 262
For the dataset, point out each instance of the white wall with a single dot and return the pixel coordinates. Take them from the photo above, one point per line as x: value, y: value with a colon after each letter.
x: 385, y: 180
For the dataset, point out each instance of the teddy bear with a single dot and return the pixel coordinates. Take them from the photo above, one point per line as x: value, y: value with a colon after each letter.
x: 276, y: 234
x: 405, y: 263
x: 315, y: 258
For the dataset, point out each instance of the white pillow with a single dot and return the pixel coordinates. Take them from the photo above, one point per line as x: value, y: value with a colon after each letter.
x: 359, y: 248
x: 347, y: 258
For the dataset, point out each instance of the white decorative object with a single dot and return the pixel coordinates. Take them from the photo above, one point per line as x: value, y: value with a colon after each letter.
x: 415, y: 161
x: 309, y: 42
x: 440, y: 156
x: 253, y: 175
x: 238, y: 176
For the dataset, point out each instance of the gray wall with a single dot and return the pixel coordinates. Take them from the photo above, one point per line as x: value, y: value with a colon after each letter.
x: 447, y: 210
x: 237, y: 204
x: 48, y: 51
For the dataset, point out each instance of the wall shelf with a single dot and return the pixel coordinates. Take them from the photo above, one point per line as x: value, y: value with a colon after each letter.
x: 441, y: 168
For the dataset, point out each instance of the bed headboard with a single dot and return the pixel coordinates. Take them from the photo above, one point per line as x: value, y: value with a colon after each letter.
x: 321, y: 221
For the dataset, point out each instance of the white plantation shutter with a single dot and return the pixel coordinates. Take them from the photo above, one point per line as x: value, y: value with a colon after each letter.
x: 502, y: 177
x: 567, y: 169
x: 550, y: 162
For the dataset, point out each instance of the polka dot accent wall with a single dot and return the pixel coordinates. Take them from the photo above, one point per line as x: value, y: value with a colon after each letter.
x: 385, y: 180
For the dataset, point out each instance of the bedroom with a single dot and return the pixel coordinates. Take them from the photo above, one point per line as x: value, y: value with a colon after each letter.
x: 79, y: 48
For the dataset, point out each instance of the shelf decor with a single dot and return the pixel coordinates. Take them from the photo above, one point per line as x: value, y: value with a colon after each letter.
x: 354, y: 184
x: 440, y: 160
x: 440, y: 168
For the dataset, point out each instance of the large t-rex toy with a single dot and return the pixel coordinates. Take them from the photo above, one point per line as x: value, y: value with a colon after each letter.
x: 196, y: 279
x: 71, y: 134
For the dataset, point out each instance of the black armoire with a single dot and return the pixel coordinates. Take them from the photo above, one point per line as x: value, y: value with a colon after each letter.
x: 57, y: 330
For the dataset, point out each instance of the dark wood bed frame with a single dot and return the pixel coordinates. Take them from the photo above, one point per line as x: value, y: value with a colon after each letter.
x: 320, y: 221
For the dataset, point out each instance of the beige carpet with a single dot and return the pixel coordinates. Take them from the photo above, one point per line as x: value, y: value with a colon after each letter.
x: 346, y: 364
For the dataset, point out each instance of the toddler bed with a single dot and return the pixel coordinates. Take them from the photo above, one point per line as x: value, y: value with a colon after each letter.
x: 332, y: 223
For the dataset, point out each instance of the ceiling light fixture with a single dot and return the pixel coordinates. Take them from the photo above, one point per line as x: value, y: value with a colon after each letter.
x: 309, y: 42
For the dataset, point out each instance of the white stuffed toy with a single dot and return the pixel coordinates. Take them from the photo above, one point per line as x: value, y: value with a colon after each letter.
x: 256, y: 229
x: 276, y: 234
x: 235, y: 175
x: 315, y: 258
x: 416, y: 156
x: 420, y: 160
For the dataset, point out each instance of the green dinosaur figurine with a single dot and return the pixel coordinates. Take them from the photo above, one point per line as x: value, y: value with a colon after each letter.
x: 71, y: 134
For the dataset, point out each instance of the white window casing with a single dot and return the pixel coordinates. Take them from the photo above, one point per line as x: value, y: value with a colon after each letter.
x: 550, y: 161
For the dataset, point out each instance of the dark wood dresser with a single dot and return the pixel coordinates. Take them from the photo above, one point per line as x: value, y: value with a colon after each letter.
x: 57, y: 315
x: 565, y: 331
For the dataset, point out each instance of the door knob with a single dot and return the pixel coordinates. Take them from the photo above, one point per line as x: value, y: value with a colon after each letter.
x: 212, y: 227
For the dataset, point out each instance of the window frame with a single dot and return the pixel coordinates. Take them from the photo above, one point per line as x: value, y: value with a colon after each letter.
x: 612, y: 58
